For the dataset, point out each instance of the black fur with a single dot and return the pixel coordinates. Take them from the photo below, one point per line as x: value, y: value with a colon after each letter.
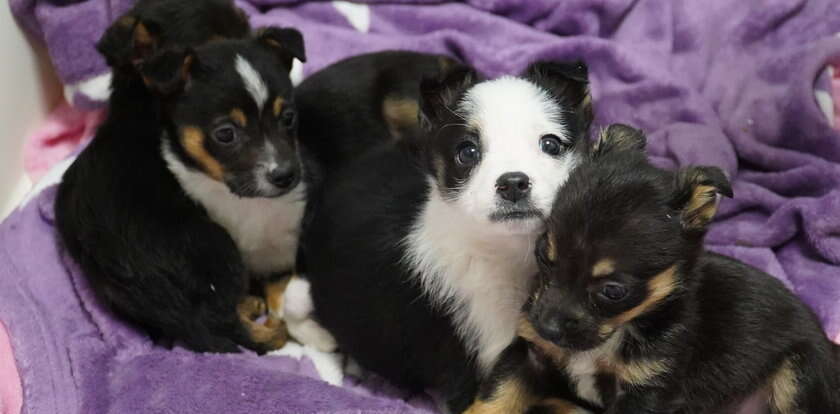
x: 343, y: 106
x: 723, y: 331
x: 364, y: 292
x: 169, y: 23
x: 150, y: 252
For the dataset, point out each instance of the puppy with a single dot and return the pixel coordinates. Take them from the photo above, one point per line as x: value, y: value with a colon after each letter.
x: 632, y: 315
x: 193, y: 186
x: 419, y: 255
x: 345, y: 110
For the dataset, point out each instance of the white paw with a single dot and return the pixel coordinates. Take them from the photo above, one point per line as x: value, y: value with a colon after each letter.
x: 298, y: 309
x: 297, y: 302
x: 311, y: 333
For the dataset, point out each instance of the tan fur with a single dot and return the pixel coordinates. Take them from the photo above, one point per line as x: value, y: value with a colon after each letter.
x: 238, y: 116
x: 784, y: 388
x: 659, y: 287
x: 250, y: 308
x: 558, y: 406
x: 637, y: 372
x: 142, y: 37
x: 526, y: 331
x: 510, y: 397
x: 702, y: 206
x: 551, y: 248
x: 272, y: 334
x: 274, y: 294
x: 278, y: 106
x: 604, y: 267
x: 399, y: 114
x: 127, y: 21
x: 193, y: 141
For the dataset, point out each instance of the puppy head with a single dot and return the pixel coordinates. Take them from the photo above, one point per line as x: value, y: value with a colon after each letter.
x: 620, y: 239
x: 229, y: 110
x: 499, y: 150
x: 153, y: 25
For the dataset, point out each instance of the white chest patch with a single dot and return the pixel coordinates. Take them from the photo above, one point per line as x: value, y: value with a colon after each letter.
x: 482, y: 279
x: 265, y: 230
x: 583, y: 367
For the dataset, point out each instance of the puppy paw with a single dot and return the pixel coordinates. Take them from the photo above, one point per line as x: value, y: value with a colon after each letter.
x: 251, y: 308
x: 311, y: 333
x: 275, y: 294
x: 297, y: 300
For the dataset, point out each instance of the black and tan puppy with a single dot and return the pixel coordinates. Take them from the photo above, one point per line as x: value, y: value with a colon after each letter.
x: 632, y: 315
x: 193, y: 186
x: 155, y: 24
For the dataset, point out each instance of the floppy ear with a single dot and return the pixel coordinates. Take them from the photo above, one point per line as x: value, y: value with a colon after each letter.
x: 439, y: 95
x: 128, y: 41
x: 287, y: 43
x: 168, y: 72
x: 619, y: 137
x: 696, y: 195
x: 568, y: 83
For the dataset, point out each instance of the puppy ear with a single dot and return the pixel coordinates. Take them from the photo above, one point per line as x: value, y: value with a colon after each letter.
x: 288, y: 43
x: 619, y: 137
x: 696, y: 195
x: 128, y: 41
x: 439, y: 95
x: 568, y: 83
x: 168, y: 72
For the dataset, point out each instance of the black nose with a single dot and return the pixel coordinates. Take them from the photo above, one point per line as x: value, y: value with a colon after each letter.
x: 513, y: 186
x: 284, y: 176
x: 554, y: 325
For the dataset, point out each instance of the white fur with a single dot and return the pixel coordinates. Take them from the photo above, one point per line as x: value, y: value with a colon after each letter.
x: 479, y: 274
x: 478, y: 270
x: 512, y: 114
x: 253, y: 81
x: 583, y: 367
x: 266, y: 230
x: 297, y: 311
x: 328, y: 365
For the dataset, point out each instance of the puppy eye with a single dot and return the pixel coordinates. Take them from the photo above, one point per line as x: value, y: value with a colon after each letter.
x: 225, y: 134
x: 552, y: 145
x: 288, y: 118
x: 614, y: 292
x: 468, y: 154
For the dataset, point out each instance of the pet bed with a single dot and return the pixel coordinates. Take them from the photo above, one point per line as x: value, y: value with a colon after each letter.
x: 722, y: 82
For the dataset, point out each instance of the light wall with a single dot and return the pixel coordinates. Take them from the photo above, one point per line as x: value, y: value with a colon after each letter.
x: 28, y: 90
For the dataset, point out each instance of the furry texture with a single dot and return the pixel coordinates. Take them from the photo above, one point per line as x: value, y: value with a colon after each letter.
x: 146, y: 208
x: 415, y: 299
x: 667, y: 326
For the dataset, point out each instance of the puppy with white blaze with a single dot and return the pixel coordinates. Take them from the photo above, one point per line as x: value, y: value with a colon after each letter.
x: 419, y: 255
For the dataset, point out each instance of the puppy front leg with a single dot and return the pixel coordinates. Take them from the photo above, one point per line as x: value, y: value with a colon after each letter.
x: 298, y: 311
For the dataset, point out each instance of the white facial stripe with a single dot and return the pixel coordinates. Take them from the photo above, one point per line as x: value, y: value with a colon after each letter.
x: 253, y: 81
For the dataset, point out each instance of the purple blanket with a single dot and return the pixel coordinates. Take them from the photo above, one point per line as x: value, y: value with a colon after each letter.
x: 722, y: 82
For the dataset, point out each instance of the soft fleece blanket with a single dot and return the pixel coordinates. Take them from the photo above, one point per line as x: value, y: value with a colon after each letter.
x: 722, y: 82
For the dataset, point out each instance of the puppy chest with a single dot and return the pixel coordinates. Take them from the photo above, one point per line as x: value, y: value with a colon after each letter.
x: 266, y: 231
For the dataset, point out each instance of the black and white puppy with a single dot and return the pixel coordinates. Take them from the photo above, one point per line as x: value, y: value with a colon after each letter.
x: 419, y: 256
x: 193, y: 186
x: 633, y: 315
x: 346, y: 109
